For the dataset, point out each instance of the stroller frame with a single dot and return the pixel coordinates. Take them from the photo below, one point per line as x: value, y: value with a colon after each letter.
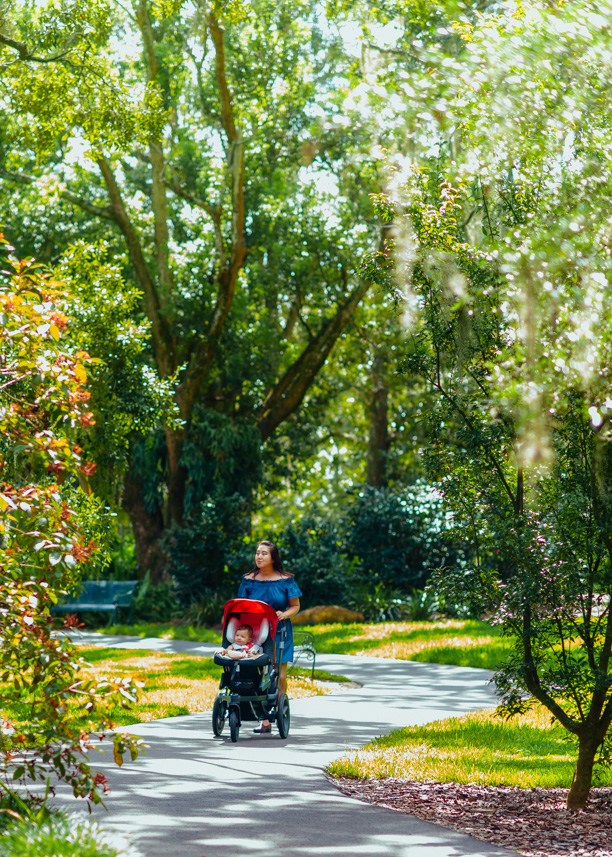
x: 249, y: 687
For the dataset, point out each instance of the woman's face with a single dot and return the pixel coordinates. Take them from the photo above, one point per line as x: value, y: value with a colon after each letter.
x: 263, y: 557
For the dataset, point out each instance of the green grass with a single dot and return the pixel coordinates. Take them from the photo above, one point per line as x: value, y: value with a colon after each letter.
x: 319, y: 675
x: 478, y: 748
x: 166, y: 631
x: 467, y: 643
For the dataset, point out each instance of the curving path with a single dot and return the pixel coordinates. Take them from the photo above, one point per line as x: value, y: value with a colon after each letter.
x: 193, y: 795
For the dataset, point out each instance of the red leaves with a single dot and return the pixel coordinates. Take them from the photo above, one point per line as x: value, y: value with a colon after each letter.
x: 40, y: 540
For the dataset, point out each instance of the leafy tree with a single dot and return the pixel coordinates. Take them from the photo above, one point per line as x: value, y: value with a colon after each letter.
x: 503, y: 239
x: 46, y: 526
x: 206, y: 193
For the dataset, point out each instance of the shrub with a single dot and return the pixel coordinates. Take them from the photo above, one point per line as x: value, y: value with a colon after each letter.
x: 312, y: 550
x: 208, y: 551
x: 158, y: 603
x: 48, y: 533
x: 207, y: 610
x: 396, y: 536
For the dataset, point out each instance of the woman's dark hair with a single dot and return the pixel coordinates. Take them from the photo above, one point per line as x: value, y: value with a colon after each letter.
x: 276, y: 560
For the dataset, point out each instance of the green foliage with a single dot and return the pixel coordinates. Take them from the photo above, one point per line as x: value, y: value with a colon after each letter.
x: 312, y: 550
x: 397, y: 537
x: 46, y: 531
x: 208, y: 552
x: 207, y: 610
x: 158, y: 603
x: 222, y: 456
x: 505, y: 261
x: 69, y: 37
x: 63, y: 836
x: 127, y: 397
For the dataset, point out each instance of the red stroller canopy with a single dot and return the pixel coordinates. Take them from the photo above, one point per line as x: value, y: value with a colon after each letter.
x: 259, y: 615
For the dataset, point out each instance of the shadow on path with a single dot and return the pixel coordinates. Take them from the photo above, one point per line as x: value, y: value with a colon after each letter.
x: 193, y: 795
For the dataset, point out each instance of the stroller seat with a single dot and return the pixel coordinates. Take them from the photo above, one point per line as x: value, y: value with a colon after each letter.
x: 261, y: 638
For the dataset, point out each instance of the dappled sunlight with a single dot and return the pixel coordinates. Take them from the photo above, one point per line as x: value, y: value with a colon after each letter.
x: 164, y: 694
x: 480, y: 748
x: 208, y: 793
x: 382, y: 630
x: 408, y: 648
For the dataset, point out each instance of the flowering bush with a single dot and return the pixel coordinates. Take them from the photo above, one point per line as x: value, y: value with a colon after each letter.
x: 48, y: 709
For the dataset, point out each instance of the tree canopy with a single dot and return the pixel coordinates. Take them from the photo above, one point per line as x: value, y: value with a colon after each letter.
x: 502, y: 248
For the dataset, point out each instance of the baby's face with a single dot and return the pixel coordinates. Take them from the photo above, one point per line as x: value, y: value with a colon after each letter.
x: 242, y: 638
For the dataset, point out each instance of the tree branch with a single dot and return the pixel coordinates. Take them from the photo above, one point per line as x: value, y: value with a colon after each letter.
x: 156, y: 154
x: 104, y: 212
x: 25, y: 54
x: 162, y: 341
x: 214, y: 212
x: 232, y: 262
x: 288, y: 393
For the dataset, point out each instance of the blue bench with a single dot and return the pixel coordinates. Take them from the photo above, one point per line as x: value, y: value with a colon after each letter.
x: 103, y: 596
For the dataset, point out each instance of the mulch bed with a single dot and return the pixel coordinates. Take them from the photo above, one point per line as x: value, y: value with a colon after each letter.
x: 534, y: 822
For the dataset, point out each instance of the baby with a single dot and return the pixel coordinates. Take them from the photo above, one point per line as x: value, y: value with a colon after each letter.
x: 243, y: 645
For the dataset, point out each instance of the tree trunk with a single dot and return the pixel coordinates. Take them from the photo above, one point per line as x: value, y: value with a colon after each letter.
x: 378, y: 441
x: 177, y: 475
x: 148, y: 528
x: 583, y: 775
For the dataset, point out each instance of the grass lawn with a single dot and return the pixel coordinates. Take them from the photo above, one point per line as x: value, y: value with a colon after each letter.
x: 478, y: 748
x: 176, y: 684
x: 165, y: 631
x: 466, y: 643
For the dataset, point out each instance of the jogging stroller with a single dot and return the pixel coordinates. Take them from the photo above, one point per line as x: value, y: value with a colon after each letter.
x: 249, y: 687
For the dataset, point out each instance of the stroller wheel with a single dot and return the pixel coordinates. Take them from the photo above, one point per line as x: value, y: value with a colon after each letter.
x: 283, y: 716
x: 219, y: 714
x: 234, y: 725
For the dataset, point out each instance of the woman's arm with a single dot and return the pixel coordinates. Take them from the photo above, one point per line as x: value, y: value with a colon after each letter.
x: 294, y: 607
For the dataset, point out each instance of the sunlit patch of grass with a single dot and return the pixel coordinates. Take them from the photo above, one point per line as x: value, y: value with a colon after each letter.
x: 482, y: 652
x: 460, y: 642
x: 173, y: 684
x: 480, y: 747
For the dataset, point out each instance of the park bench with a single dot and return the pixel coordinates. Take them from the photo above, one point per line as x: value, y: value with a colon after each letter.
x: 101, y: 596
x: 304, y: 648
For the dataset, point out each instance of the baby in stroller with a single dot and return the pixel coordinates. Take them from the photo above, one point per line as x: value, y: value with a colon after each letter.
x: 243, y: 645
x: 249, y: 685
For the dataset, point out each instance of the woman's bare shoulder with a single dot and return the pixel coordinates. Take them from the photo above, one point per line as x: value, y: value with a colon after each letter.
x: 249, y: 576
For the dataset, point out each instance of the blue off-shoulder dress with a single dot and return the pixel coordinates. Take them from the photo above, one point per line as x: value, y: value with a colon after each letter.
x: 276, y: 593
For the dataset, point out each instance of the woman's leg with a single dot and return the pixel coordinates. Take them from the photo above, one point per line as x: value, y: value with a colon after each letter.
x: 282, y: 679
x: 282, y: 686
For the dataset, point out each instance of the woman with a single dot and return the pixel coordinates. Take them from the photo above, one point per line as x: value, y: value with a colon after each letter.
x: 269, y: 582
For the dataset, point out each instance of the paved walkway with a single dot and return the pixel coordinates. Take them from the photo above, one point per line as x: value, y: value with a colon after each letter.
x: 193, y: 795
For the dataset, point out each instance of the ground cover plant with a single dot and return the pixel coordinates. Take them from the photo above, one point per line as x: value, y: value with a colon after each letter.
x: 60, y: 835
x: 451, y: 641
x: 164, y: 630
